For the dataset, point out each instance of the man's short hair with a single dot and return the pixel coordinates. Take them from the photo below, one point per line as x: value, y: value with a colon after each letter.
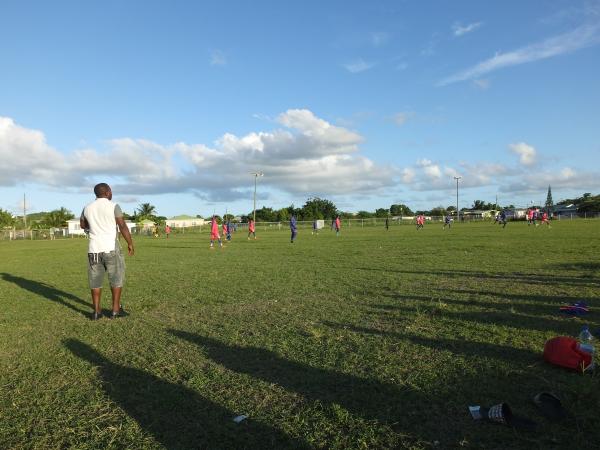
x: 101, y: 189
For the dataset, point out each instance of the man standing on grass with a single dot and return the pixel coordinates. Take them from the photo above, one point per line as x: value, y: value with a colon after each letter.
x: 214, y: 233
x: 448, y: 221
x: 228, y: 234
x: 338, y: 225
x: 251, y: 230
x: 420, y: 221
x: 100, y: 220
x: 293, y: 228
x: 503, y: 219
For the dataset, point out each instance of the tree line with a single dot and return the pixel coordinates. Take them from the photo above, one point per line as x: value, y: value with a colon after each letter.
x: 314, y: 208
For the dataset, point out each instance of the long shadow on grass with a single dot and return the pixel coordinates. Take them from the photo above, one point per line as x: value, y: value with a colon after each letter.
x: 510, y: 314
x: 578, y: 266
x: 497, y: 318
x: 370, y: 399
x: 469, y: 348
x: 531, y: 278
x: 48, y: 292
x: 177, y: 417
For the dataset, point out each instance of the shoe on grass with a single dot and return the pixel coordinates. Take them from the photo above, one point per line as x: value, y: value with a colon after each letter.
x: 120, y: 313
x: 96, y: 315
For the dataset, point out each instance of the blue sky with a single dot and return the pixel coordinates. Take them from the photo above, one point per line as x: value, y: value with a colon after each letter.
x: 364, y: 103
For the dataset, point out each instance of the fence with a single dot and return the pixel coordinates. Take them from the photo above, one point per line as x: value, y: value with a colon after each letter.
x: 62, y: 233
x: 13, y: 234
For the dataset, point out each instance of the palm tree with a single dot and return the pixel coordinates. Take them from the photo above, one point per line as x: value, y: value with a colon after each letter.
x: 58, y: 218
x: 145, y: 211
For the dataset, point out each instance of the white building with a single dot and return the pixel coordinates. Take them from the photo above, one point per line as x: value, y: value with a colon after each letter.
x: 184, y: 221
x: 74, y: 229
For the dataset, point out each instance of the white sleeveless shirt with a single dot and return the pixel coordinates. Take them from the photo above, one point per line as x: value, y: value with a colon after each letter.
x: 100, y: 215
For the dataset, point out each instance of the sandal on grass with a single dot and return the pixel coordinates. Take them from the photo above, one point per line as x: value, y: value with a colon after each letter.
x: 550, y: 406
x: 502, y: 414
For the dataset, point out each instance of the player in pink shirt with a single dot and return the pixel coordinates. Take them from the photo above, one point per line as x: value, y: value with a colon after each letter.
x: 529, y: 217
x: 338, y: 225
x: 420, y: 221
x: 251, y: 230
x: 214, y: 233
x: 545, y: 219
x: 224, y: 227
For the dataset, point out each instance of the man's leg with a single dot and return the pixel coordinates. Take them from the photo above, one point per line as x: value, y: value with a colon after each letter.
x: 96, y: 294
x: 116, y: 298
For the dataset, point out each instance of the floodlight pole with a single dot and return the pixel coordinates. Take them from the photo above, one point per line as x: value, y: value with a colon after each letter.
x: 457, y: 213
x: 256, y: 175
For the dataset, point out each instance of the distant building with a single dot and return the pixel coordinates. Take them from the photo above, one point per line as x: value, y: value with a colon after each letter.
x: 520, y: 213
x: 74, y: 229
x: 565, y: 210
x: 146, y: 224
x: 184, y: 221
x: 478, y: 213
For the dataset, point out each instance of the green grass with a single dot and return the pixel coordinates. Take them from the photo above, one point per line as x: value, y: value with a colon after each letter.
x: 371, y: 340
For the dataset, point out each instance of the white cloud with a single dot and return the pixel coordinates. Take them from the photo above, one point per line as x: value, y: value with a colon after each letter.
x: 307, y: 155
x: 217, y: 58
x: 27, y: 157
x: 408, y: 175
x: 379, y: 38
x: 433, y: 171
x: 482, y: 84
x: 358, y: 65
x: 427, y: 175
x: 402, y: 117
x: 460, y: 30
x: 527, y: 153
x: 581, y: 37
x: 538, y: 182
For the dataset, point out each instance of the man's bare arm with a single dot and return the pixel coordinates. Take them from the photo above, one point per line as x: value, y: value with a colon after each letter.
x: 83, y: 223
x: 126, y: 234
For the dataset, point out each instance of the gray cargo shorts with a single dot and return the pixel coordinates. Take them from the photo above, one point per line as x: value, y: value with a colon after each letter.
x: 112, y: 263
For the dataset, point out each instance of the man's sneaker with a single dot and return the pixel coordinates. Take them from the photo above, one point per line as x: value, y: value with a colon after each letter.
x: 96, y: 315
x: 120, y: 313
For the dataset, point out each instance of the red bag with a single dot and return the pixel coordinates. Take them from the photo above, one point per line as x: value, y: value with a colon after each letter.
x: 564, y: 351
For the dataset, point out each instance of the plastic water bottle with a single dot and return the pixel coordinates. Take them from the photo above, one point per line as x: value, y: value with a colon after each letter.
x: 586, y: 343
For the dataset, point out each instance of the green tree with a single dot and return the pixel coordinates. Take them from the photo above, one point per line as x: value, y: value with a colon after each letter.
x: 283, y: 215
x: 317, y: 208
x: 6, y: 219
x: 382, y: 212
x: 400, y: 210
x: 482, y: 205
x: 438, y: 211
x: 145, y: 211
x: 589, y: 203
x: 265, y: 214
x: 549, y: 202
x: 57, y: 218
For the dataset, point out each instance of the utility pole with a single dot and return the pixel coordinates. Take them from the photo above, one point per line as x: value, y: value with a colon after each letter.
x: 24, y: 213
x: 457, y: 213
x: 256, y: 175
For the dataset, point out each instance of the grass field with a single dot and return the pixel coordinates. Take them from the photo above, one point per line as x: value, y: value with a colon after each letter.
x: 371, y: 340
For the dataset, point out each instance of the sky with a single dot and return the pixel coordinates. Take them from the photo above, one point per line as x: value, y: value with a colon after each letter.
x: 365, y: 103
